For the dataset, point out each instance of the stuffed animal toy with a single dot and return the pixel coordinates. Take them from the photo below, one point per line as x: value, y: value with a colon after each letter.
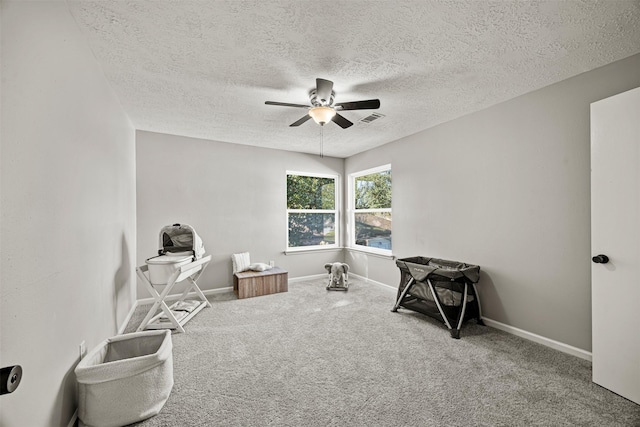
x: 338, y: 276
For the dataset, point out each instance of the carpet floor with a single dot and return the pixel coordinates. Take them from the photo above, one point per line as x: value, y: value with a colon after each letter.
x: 309, y: 357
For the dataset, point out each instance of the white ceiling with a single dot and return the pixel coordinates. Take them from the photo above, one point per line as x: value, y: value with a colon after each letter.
x: 205, y: 68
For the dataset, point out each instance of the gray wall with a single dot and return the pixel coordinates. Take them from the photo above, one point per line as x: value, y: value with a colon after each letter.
x: 233, y: 195
x: 68, y: 209
x: 507, y: 188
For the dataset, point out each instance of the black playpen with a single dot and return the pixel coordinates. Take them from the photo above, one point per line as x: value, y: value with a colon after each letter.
x: 442, y: 289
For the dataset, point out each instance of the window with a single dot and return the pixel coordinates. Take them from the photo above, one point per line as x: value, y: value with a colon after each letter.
x: 311, y: 211
x: 370, y: 215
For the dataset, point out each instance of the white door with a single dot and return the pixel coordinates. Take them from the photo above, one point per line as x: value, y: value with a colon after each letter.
x: 615, y: 233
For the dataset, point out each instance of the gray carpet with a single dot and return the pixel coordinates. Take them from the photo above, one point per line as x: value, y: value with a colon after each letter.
x: 310, y: 357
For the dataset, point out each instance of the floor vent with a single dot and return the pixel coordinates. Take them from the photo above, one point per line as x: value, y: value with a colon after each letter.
x: 372, y: 117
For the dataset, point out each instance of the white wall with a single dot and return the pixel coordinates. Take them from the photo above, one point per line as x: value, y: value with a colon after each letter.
x: 507, y: 188
x: 233, y: 195
x: 68, y: 209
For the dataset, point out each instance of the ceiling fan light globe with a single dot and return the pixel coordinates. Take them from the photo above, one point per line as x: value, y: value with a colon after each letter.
x: 322, y: 115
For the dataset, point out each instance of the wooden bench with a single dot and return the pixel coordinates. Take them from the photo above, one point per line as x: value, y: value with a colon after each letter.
x: 249, y: 284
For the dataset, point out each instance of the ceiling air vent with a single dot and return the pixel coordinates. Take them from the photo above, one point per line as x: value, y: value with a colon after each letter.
x: 372, y: 117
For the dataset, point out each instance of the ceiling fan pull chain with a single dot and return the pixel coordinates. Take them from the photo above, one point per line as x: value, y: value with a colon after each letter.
x: 321, y: 141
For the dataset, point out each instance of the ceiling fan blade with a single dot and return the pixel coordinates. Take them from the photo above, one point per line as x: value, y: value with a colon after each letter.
x: 341, y: 121
x: 285, y: 104
x: 370, y: 104
x: 323, y: 90
x: 301, y: 121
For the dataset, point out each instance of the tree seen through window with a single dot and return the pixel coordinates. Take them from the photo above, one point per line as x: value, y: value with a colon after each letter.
x: 372, y: 217
x: 311, y: 210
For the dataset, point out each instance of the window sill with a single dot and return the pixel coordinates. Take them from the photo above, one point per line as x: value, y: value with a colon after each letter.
x: 339, y: 248
x: 372, y: 253
x: 308, y: 250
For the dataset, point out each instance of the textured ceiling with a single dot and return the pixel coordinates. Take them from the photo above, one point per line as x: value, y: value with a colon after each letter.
x: 205, y: 68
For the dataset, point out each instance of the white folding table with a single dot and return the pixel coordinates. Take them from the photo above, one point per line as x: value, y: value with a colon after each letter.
x: 166, y: 318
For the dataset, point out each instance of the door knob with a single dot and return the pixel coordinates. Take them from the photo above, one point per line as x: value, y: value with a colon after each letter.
x: 600, y: 259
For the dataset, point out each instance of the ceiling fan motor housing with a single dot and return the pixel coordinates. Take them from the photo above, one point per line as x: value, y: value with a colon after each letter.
x: 316, y: 102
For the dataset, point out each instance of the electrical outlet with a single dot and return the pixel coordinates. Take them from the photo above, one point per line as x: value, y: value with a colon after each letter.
x: 83, y: 349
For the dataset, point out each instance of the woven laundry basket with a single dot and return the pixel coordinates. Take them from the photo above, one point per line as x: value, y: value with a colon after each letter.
x: 125, y: 379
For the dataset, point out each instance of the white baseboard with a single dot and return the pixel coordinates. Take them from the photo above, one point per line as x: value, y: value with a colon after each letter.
x: 557, y: 345
x: 215, y: 291
x: 207, y: 292
x: 384, y: 285
x: 325, y: 275
x: 74, y: 418
x: 173, y: 297
x: 565, y: 348
x: 124, y: 324
x: 303, y: 278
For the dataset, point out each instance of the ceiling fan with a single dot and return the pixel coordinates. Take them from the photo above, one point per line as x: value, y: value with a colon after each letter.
x: 323, y: 109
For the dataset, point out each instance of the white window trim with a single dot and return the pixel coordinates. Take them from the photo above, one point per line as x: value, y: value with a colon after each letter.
x: 336, y: 212
x: 351, y: 225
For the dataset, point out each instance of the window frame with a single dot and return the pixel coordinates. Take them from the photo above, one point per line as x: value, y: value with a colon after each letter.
x: 351, y: 227
x: 336, y: 212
